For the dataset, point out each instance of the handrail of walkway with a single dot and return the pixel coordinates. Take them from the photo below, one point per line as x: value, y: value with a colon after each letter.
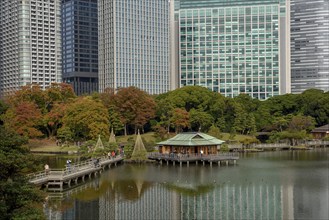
x: 279, y: 145
x: 193, y: 156
x: 72, y: 168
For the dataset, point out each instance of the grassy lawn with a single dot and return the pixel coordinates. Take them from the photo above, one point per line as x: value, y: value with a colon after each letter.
x: 48, y: 145
x: 237, y: 137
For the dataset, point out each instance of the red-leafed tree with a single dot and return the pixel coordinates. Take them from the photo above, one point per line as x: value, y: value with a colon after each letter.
x: 134, y: 106
x: 50, y: 103
x: 24, y: 118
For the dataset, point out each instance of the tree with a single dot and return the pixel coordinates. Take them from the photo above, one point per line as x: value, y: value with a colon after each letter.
x: 135, y: 107
x: 315, y: 103
x: 164, y: 110
x: 139, y: 152
x: 86, y: 119
x: 18, y: 198
x: 299, y: 123
x: 114, y: 119
x: 215, y: 132
x: 3, y: 109
x: 49, y: 103
x: 200, y: 120
x: 24, y: 118
x: 192, y: 97
x: 180, y: 119
x: 249, y: 104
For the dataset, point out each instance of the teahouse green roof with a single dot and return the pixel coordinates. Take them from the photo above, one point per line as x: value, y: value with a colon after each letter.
x: 322, y: 129
x: 192, y: 139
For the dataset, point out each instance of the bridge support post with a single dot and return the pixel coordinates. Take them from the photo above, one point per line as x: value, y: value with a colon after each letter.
x: 227, y: 163
x: 234, y: 162
x: 160, y: 162
x: 115, y: 164
x: 61, y: 186
x: 203, y: 163
x: 218, y: 163
x: 69, y: 183
x: 180, y: 163
x: 167, y: 162
x: 174, y: 163
x: 211, y: 163
x: 188, y: 163
x: 196, y: 162
x: 89, y: 175
x: 76, y: 180
x: 83, y: 178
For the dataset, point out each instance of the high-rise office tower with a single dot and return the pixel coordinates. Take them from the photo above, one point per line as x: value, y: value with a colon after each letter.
x: 235, y: 47
x: 80, y: 45
x: 30, y: 38
x: 134, y: 45
x: 309, y: 45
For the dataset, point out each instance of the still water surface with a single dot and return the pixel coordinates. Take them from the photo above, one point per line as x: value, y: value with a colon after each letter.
x: 267, y: 185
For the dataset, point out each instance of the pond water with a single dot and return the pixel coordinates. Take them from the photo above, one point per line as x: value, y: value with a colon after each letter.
x: 267, y: 185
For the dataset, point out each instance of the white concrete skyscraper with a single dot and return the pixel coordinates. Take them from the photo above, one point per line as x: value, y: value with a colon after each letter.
x: 30, y: 37
x: 134, y: 45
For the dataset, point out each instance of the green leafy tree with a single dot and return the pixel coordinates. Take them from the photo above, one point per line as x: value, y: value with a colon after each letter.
x: 164, y: 110
x: 65, y: 134
x: 86, y: 119
x: 199, y: 120
x: 18, y: 198
x: 315, y: 103
x: 215, y: 132
x: 114, y: 119
x: 299, y: 123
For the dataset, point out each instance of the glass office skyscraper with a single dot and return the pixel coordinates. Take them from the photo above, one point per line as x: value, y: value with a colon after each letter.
x: 80, y: 45
x: 309, y: 45
x: 134, y: 45
x: 30, y: 37
x: 235, y: 47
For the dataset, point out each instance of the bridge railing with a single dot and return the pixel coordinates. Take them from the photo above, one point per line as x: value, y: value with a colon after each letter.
x: 173, y: 156
x: 317, y: 143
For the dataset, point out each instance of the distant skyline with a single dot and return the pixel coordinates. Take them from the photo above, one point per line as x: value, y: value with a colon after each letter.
x: 261, y: 48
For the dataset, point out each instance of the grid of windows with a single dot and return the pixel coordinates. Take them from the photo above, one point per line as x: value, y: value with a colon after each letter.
x: 134, y: 42
x: 231, y: 49
x: 30, y: 43
x: 309, y: 45
x: 80, y: 45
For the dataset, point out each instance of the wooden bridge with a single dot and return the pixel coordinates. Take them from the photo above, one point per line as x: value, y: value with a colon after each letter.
x: 54, y: 179
x: 278, y: 146
x: 195, y: 158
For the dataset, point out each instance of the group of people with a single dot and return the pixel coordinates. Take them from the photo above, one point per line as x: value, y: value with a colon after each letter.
x: 111, y: 155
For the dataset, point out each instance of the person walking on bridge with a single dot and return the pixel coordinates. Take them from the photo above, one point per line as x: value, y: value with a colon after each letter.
x: 46, y: 169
